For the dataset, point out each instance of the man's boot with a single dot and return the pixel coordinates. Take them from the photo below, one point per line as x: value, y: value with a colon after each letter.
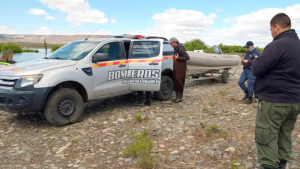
x: 176, y: 97
x: 282, y: 164
x: 140, y: 99
x: 249, y: 100
x: 245, y: 97
x: 148, y: 100
x: 179, y: 98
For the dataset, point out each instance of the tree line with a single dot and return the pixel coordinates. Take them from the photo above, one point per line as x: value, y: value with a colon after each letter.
x: 198, y: 44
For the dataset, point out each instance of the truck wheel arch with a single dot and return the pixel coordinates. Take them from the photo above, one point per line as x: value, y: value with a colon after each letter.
x: 73, y: 85
x: 167, y: 72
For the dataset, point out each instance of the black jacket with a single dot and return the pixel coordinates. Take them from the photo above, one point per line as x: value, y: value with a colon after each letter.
x: 182, y: 54
x: 277, y: 70
x: 250, y: 56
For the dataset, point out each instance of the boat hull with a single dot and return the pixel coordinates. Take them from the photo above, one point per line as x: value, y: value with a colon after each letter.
x: 205, y: 62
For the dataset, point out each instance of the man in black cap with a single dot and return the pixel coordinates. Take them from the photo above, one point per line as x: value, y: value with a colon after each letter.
x: 247, y: 74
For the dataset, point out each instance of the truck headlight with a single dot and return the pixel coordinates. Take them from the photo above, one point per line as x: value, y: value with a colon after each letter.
x: 28, y: 80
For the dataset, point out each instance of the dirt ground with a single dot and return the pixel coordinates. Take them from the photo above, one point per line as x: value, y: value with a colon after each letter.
x: 178, y: 132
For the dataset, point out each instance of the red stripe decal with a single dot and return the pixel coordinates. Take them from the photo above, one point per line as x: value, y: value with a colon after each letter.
x: 116, y: 63
x: 102, y: 64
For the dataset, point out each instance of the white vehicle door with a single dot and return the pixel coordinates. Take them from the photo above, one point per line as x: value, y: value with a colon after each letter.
x: 145, y: 64
x: 109, y: 64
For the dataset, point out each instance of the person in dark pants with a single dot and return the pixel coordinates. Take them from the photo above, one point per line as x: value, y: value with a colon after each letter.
x: 148, y: 101
x: 277, y: 87
x: 179, y: 68
x: 247, y: 74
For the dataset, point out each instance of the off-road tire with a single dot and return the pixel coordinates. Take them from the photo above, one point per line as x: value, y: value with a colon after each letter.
x: 225, y: 76
x: 162, y: 95
x: 51, y: 111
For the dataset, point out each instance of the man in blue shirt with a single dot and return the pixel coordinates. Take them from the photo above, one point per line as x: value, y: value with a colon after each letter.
x: 247, y: 73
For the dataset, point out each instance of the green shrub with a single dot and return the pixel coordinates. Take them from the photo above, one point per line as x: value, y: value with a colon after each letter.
x: 223, y: 134
x: 212, y: 130
x: 196, y: 44
x: 30, y: 50
x: 140, y: 148
x: 10, y: 46
x: 233, y: 166
x: 231, y: 49
x: 138, y: 118
x: 55, y: 47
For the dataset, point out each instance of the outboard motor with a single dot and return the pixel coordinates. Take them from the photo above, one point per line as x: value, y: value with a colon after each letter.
x: 216, y: 49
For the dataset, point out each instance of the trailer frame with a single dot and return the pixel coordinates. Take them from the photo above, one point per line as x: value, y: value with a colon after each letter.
x: 218, y: 74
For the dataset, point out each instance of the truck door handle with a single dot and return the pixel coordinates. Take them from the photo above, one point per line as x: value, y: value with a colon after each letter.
x: 122, y: 65
x: 153, y: 63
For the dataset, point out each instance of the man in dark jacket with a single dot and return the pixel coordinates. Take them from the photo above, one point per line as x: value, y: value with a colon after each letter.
x: 179, y: 68
x: 277, y: 87
x: 247, y: 74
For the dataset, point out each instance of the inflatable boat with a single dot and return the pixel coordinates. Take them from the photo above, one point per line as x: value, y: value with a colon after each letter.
x: 205, y: 62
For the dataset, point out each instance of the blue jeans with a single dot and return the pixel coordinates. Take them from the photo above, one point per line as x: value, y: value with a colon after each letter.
x: 247, y: 75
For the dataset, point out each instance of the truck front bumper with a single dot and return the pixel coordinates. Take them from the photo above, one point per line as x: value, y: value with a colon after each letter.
x: 29, y: 100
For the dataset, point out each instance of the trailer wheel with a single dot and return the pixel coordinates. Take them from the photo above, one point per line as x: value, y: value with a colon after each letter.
x: 166, y: 89
x: 64, y: 106
x: 225, y: 76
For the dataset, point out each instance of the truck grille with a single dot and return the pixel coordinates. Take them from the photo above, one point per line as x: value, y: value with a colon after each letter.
x: 7, y: 82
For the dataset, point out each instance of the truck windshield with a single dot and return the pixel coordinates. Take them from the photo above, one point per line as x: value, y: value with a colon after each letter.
x: 74, y: 50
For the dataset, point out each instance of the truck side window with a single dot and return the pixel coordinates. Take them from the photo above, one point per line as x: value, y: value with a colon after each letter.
x: 168, y: 49
x: 113, y: 49
x: 145, y: 49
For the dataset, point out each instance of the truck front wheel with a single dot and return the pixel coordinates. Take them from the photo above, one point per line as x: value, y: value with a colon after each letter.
x: 166, y: 89
x: 64, y: 106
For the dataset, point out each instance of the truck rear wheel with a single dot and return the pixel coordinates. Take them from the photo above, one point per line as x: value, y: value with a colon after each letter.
x: 166, y: 89
x: 64, y: 106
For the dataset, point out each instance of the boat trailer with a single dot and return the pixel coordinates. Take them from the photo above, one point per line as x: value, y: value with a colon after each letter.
x: 220, y: 74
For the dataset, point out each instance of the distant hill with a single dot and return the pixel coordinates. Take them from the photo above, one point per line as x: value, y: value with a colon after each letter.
x: 51, y: 39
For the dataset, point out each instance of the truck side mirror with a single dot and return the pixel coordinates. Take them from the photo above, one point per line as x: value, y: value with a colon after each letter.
x: 100, y: 57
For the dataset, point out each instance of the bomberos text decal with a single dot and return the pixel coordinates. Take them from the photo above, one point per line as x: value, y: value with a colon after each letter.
x: 148, y: 76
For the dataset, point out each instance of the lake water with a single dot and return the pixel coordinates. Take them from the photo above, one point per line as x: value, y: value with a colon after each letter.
x: 26, y: 56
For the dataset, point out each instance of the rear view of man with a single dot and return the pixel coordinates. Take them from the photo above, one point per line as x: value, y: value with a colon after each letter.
x: 247, y: 74
x: 277, y: 87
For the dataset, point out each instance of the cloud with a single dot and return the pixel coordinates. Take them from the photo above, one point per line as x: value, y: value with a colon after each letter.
x: 79, y: 11
x: 218, y: 9
x: 254, y: 26
x: 35, y: 11
x: 113, y: 21
x: 183, y: 24
x: 49, y: 18
x: 189, y: 24
x: 229, y: 20
x: 6, y: 30
x: 48, y: 31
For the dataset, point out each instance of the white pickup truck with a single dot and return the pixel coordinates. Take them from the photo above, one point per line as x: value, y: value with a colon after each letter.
x: 84, y: 70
